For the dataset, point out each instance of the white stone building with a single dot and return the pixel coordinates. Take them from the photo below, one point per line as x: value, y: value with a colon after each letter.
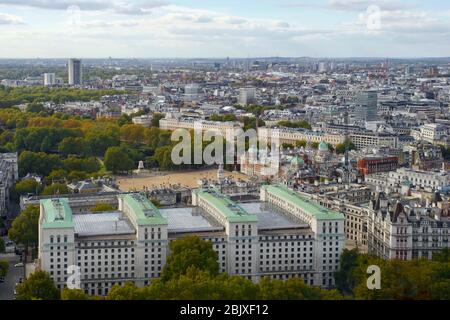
x: 281, y: 237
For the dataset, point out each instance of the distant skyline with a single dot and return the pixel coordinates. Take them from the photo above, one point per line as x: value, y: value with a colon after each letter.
x: 217, y: 29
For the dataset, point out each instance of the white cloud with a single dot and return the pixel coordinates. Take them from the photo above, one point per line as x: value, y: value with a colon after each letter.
x: 173, y: 30
x: 119, y: 7
x: 7, y: 19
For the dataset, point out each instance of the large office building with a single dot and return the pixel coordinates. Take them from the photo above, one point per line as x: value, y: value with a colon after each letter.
x: 281, y: 236
x: 278, y: 136
x: 247, y: 96
x: 49, y: 79
x: 367, y: 139
x: 224, y: 128
x: 191, y: 92
x: 75, y: 72
x: 367, y: 103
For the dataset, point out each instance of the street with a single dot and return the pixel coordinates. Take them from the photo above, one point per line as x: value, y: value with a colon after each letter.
x: 13, y: 276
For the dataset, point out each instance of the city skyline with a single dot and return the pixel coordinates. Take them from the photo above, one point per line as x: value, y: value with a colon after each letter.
x: 200, y: 29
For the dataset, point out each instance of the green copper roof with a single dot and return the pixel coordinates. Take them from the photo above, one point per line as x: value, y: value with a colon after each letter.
x: 229, y: 209
x: 145, y: 211
x: 323, y: 146
x: 314, y: 209
x: 57, y: 213
x: 297, y: 161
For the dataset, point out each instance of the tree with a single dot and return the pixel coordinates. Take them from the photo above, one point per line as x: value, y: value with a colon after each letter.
x: 101, y: 137
x: 102, y: 207
x: 132, y: 134
x: 442, y: 256
x: 128, y: 291
x: 38, y: 286
x: 188, y: 252
x: 293, y: 289
x: 124, y: 120
x: 116, y: 160
x: 156, y: 118
x: 71, y: 146
x: 39, y: 163
x: 89, y: 165
x: 56, y: 175
x: 4, y: 267
x: 73, y: 294
x: 35, y: 107
x: 24, y: 187
x: 340, y: 148
x: 287, y: 146
x: 55, y: 188
x: 250, y: 123
x: 223, y: 118
x: 345, y: 280
x: 295, y: 124
x: 301, y: 143
x: 24, y: 229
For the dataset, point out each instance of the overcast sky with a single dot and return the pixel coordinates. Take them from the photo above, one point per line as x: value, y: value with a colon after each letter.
x: 221, y: 28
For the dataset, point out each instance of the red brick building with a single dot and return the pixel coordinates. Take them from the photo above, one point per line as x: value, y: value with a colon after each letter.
x: 370, y: 165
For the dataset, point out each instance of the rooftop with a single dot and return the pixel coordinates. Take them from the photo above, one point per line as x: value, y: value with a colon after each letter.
x: 229, y: 209
x: 314, y: 209
x: 145, y: 211
x: 57, y: 213
x: 189, y: 220
x: 272, y: 218
x: 102, y: 224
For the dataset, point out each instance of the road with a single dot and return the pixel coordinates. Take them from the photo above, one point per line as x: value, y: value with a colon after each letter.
x: 13, y: 276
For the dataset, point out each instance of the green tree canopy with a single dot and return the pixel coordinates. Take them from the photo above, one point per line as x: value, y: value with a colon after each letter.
x: 35, y: 107
x: 4, y: 266
x: 188, y: 252
x: 24, y: 229
x: 340, y: 148
x: 295, y: 124
x: 38, y: 286
x: 155, y: 119
x: 39, y: 163
x: 24, y: 187
x: 128, y: 291
x: 55, y: 188
x: 72, y: 146
x: 73, y: 294
x: 345, y: 280
x: 117, y: 160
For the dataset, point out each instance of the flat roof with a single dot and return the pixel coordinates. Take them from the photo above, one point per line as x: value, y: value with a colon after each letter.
x: 101, y: 224
x: 189, y: 220
x: 317, y: 211
x: 272, y: 218
x: 145, y: 211
x: 58, y: 213
x: 232, y: 211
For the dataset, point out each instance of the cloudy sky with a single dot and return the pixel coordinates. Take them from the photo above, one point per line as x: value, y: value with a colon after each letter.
x: 221, y: 28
